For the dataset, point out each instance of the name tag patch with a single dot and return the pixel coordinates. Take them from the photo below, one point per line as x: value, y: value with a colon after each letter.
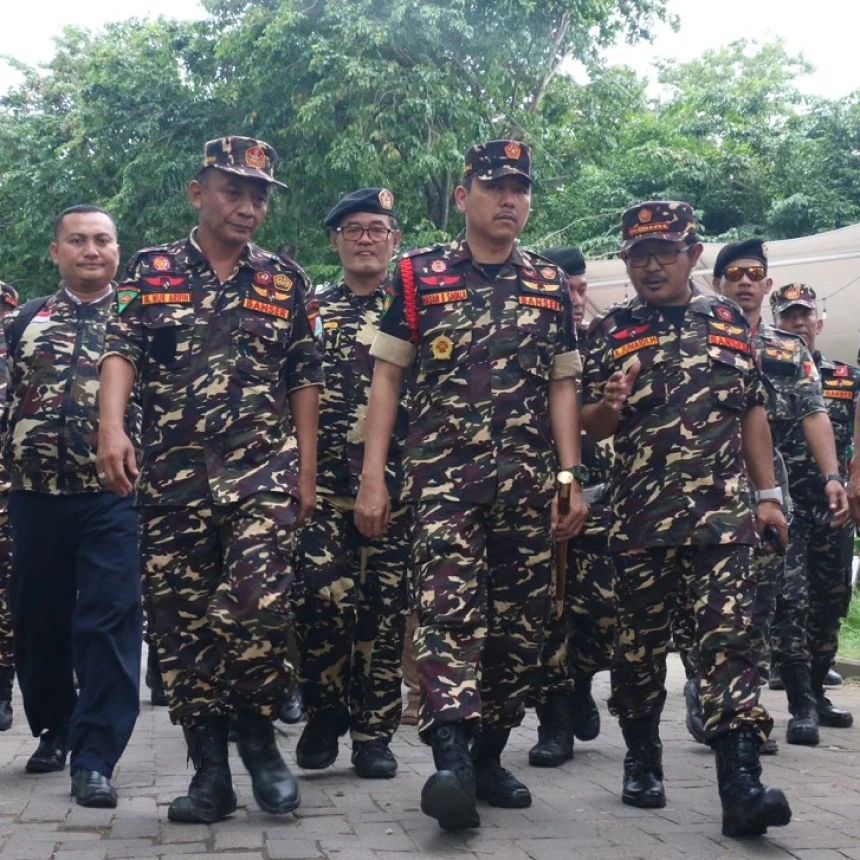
x: 729, y: 343
x: 444, y: 297
x: 635, y: 346
x: 540, y: 302
x: 266, y: 308
x: 838, y: 394
x: 166, y: 298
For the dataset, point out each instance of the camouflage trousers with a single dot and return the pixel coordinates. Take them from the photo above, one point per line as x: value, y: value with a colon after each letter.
x: 719, y: 584
x: 580, y: 642
x: 7, y: 650
x: 768, y: 568
x: 218, y: 582
x: 351, y: 602
x: 482, y: 580
x: 816, y: 589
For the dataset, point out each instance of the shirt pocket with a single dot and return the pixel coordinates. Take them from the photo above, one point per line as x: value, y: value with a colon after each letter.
x: 651, y: 386
x: 729, y: 372
x: 169, y: 334
x: 260, y: 347
x: 446, y: 339
x: 537, y: 330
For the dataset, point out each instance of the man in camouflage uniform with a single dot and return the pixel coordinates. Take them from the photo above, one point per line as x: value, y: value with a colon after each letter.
x: 579, y: 638
x: 670, y: 375
x: 796, y: 410
x: 75, y: 589
x: 818, y: 579
x: 8, y: 303
x: 216, y: 332
x: 484, y: 328
x: 351, y: 597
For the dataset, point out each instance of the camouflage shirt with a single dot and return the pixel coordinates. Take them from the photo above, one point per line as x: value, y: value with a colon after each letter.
x: 481, y: 352
x: 790, y: 378
x: 53, y: 382
x: 840, y: 385
x: 350, y: 323
x: 4, y: 473
x: 679, y: 471
x: 216, y: 363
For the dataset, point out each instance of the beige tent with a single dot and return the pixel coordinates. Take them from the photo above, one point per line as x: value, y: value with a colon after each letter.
x: 829, y: 262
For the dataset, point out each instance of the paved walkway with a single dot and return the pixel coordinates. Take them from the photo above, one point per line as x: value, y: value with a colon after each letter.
x: 576, y: 811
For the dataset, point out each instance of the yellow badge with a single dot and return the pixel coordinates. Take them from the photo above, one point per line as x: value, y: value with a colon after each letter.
x: 540, y: 286
x: 282, y: 282
x: 645, y: 215
x: 442, y: 347
x: 792, y: 293
x: 255, y: 157
x: 513, y: 150
x: 386, y: 199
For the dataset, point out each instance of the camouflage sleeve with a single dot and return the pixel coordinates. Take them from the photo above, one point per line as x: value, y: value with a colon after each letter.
x: 124, y: 331
x: 393, y: 342
x: 304, y: 355
x: 595, y: 369
x: 566, y: 363
x: 756, y: 393
x: 808, y: 387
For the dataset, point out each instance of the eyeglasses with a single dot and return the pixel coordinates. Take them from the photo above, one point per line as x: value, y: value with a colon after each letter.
x: 735, y: 273
x: 354, y: 232
x: 638, y: 258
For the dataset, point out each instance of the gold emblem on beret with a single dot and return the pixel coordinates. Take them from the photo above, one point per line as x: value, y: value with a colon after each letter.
x: 645, y: 215
x: 442, y: 347
x: 386, y: 199
x: 255, y: 157
x: 513, y: 150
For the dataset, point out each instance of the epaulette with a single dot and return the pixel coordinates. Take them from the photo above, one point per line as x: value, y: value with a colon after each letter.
x: 782, y: 334
x: 421, y: 252
x: 737, y: 318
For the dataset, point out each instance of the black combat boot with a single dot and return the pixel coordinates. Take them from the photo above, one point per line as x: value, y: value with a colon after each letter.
x: 555, y: 732
x: 748, y: 807
x: 586, y: 717
x: 157, y: 693
x: 828, y: 714
x: 275, y: 788
x: 449, y: 794
x: 643, y: 764
x: 774, y: 681
x: 318, y: 746
x: 803, y: 725
x: 290, y: 710
x: 6, y: 678
x: 695, y: 718
x: 210, y: 796
x: 832, y: 678
x: 494, y: 784
x: 373, y: 760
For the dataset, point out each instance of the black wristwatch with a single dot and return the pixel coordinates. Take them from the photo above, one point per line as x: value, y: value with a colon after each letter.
x: 828, y: 479
x: 580, y: 474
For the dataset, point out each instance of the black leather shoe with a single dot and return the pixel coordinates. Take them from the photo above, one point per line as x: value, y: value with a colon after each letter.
x: 290, y: 711
x: 93, y: 789
x: 831, y: 716
x: 373, y: 760
x: 50, y: 755
x: 493, y: 783
x: 318, y: 746
x: 832, y: 678
x: 275, y: 788
x: 643, y: 764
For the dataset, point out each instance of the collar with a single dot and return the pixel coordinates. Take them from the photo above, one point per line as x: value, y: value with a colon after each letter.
x: 196, y: 255
x: 460, y: 251
x: 75, y: 300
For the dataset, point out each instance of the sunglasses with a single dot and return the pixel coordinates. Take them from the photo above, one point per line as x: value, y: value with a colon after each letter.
x: 754, y: 273
x: 638, y: 258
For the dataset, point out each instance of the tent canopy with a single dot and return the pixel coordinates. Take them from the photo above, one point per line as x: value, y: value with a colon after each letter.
x: 828, y: 262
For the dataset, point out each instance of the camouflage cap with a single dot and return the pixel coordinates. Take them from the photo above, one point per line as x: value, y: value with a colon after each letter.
x: 670, y: 220
x: 9, y: 295
x: 498, y: 158
x: 243, y: 156
x: 790, y: 295
x: 376, y: 201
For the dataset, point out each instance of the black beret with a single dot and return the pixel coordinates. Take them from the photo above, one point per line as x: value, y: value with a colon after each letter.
x: 570, y: 259
x: 748, y: 249
x: 377, y: 201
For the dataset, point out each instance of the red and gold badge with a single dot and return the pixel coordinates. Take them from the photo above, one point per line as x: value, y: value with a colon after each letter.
x: 255, y: 157
x: 438, y: 266
x: 442, y: 347
x: 645, y: 215
x: 841, y: 370
x: 792, y: 293
x: 724, y: 313
x: 386, y: 199
x: 161, y: 264
x: 264, y: 279
x: 282, y: 282
x: 548, y: 273
x: 513, y: 150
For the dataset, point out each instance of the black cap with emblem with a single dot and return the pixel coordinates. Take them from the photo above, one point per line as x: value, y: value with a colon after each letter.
x: 376, y: 201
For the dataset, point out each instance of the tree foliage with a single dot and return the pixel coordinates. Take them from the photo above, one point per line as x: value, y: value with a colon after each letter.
x: 391, y: 92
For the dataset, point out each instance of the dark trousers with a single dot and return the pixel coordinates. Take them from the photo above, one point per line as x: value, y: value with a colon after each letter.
x: 75, y: 600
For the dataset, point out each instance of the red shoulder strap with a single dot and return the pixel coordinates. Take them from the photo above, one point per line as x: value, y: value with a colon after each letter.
x: 407, y: 277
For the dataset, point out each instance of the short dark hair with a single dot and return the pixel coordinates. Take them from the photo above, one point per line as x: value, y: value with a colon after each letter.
x: 79, y: 209
x: 467, y: 181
